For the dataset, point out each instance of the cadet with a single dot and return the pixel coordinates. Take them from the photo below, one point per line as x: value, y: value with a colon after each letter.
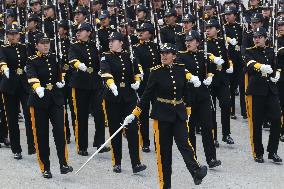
x: 262, y: 96
x: 86, y: 89
x: 15, y: 89
x: 46, y: 104
x: 122, y: 77
x: 201, y: 103
x: 168, y: 86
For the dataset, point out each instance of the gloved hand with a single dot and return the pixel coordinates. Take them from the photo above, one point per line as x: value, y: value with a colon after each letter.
x: 266, y: 69
x: 195, y: 81
x: 233, y: 41
x: 113, y: 89
x: 82, y: 67
x: 207, y: 81
x: 39, y: 91
x: 135, y: 85
x: 219, y: 61
x: 276, y: 78
x: 60, y: 84
x: 6, y: 72
x: 230, y: 70
x: 161, y: 22
x: 129, y: 119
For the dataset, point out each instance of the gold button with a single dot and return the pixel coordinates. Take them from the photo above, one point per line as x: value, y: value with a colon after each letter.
x: 174, y: 81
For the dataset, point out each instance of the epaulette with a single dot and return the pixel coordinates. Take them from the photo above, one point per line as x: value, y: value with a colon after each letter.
x: 180, y: 33
x: 251, y: 48
x: 106, y: 53
x: 33, y: 57
x: 136, y: 45
x: 156, y: 68
x: 180, y: 64
x: 182, y: 52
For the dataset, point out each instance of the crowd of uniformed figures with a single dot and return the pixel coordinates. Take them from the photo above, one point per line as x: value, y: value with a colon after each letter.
x: 120, y: 61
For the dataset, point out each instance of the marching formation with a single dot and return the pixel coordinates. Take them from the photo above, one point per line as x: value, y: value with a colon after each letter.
x: 123, y: 62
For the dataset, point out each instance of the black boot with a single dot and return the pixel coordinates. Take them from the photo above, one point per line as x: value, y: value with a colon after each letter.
x: 117, y: 168
x: 31, y: 150
x: 146, y: 149
x: 214, y: 163
x: 18, y: 156
x: 64, y: 169
x: 139, y: 168
x: 104, y: 149
x: 199, y: 174
x: 228, y: 139
x: 274, y: 157
x: 259, y: 159
x: 47, y: 174
x: 83, y: 153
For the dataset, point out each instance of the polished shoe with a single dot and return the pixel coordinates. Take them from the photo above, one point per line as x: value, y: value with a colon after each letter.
x: 104, y: 149
x: 139, y: 168
x: 68, y: 140
x: 237, y: 92
x: 216, y: 143
x: 228, y: 139
x: 20, y: 118
x: 274, y: 157
x: 47, y: 174
x: 214, y: 163
x: 83, y: 153
x: 281, y: 138
x: 18, y: 156
x: 64, y: 169
x: 259, y: 159
x: 199, y: 174
x: 233, y: 116
x: 117, y: 168
x: 146, y: 149
x: 198, y: 130
x: 7, y: 142
x: 31, y: 151
x: 266, y: 125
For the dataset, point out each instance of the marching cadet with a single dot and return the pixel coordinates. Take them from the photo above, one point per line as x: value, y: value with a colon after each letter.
x: 32, y: 31
x: 188, y: 23
x: 209, y: 11
x: 122, y: 77
x: 79, y: 18
x: 15, y: 89
x: 65, y: 9
x: 234, y: 39
x: 46, y: 104
x: 169, y: 31
x: 266, y: 12
x: 21, y: 4
x: 141, y: 14
x: 280, y: 58
x: 147, y: 56
x: 105, y: 30
x: 262, y: 96
x: 86, y: 89
x: 221, y: 67
x: 168, y: 86
x: 131, y: 8
x: 254, y: 7
x: 200, y: 104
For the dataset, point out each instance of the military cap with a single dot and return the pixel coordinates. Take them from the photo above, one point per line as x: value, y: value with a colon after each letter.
x: 257, y: 17
x: 266, y: 6
x: 14, y: 28
x: 208, y: 5
x: 280, y: 21
x: 104, y: 15
x: 34, y: 2
x: 168, y: 48
x: 64, y: 24
x: 146, y: 27
x: 116, y: 36
x: 49, y: 5
x: 212, y: 23
x: 261, y: 31
x: 41, y: 38
x: 141, y: 8
x: 281, y: 1
x: 84, y: 26
x: 230, y: 1
x: 193, y: 34
x: 33, y: 17
x: 280, y: 10
x: 231, y: 10
x: 81, y: 9
x: 10, y: 13
x: 170, y: 12
x: 188, y: 18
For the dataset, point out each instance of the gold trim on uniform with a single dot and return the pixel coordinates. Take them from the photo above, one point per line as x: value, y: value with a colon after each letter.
x: 90, y: 70
x: 167, y: 101
x: 76, y: 117
x: 49, y: 86
x: 20, y: 71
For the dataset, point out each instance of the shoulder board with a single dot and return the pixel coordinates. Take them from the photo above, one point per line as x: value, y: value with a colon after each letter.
x: 180, y: 64
x: 180, y: 33
x: 33, y: 57
x: 136, y: 45
x: 182, y: 52
x: 106, y: 53
x: 156, y: 67
x: 251, y: 48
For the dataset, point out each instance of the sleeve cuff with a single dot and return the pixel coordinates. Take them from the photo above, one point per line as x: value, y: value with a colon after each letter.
x: 109, y: 82
x: 36, y: 85
x: 188, y: 110
x: 137, y: 111
x: 210, y: 75
x: 211, y: 57
x: 188, y: 76
x: 137, y: 77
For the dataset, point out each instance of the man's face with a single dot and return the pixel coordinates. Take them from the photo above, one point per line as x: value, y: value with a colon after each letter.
x: 13, y: 38
x: 210, y: 11
x: 61, y: 31
x: 111, y: 10
x: 43, y: 47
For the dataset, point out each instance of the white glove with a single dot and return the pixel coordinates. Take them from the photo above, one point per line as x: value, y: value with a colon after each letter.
x: 129, y: 119
x: 207, y: 81
x: 39, y: 91
x: 60, y: 84
x: 219, y: 61
x: 233, y: 41
x: 82, y: 67
x: 276, y: 78
x: 230, y: 70
x: 113, y: 89
x: 266, y: 69
x: 6, y: 72
x: 135, y: 85
x: 161, y: 22
x: 195, y: 81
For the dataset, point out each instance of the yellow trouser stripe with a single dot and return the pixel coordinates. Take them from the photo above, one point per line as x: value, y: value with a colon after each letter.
x: 140, y: 139
x: 66, y: 148
x: 189, y: 143
x: 112, y: 153
x: 158, y: 152
x: 76, y: 117
x: 32, y: 112
x: 250, y: 122
x: 105, y: 113
x: 5, y: 114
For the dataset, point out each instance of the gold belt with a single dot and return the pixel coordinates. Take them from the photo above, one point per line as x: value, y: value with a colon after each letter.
x: 49, y: 86
x: 167, y: 101
x: 19, y: 71
x: 90, y: 70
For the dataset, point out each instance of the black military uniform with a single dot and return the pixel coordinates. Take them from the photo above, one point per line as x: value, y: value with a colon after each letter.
x: 30, y: 36
x: 167, y: 86
x: 86, y: 89
x: 15, y: 89
x: 220, y: 84
x: 118, y: 69
x: 262, y: 98
x: 46, y: 104
x: 147, y: 56
x: 200, y: 100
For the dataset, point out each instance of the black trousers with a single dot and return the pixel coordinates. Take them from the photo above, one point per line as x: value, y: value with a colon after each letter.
x: 222, y: 93
x: 261, y: 107
x: 116, y: 112
x: 280, y: 86
x: 202, y: 115
x: 81, y: 101
x: 67, y: 92
x: 12, y: 106
x: 144, y: 123
x: 40, y: 124
x: 3, y: 121
x: 164, y: 134
x: 242, y: 94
